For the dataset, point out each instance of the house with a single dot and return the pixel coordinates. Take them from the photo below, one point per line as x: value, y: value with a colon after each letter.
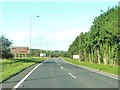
x: 20, y: 52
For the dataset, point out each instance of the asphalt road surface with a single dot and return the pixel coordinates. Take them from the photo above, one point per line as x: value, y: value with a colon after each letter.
x: 55, y: 73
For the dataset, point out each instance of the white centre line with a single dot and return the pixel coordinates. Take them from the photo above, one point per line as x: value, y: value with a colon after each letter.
x: 72, y: 75
x: 61, y: 67
x: 19, y: 83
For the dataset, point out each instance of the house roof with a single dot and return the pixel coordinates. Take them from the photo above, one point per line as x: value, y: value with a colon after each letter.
x: 20, y: 50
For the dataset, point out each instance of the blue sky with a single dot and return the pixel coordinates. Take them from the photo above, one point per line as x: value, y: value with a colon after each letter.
x: 56, y: 28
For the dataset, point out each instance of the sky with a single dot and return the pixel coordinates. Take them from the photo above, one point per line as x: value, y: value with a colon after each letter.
x: 57, y: 26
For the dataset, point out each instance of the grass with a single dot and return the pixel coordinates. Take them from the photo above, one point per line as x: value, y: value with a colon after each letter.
x: 13, y: 66
x: 106, y: 68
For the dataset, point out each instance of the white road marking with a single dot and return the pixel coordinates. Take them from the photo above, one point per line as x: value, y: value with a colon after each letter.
x: 61, y: 67
x: 107, y: 75
x: 93, y: 70
x: 72, y: 75
x: 19, y: 83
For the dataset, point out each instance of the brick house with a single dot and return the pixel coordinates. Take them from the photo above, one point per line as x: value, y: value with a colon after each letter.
x: 20, y: 52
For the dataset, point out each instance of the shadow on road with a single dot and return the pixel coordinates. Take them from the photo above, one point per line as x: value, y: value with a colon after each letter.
x: 49, y: 62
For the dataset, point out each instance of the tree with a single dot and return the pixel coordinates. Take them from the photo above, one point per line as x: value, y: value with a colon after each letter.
x: 102, y: 43
x: 5, y: 47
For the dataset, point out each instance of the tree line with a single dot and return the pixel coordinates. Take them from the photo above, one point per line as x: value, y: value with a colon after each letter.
x: 102, y: 43
x: 49, y: 53
x: 5, y: 50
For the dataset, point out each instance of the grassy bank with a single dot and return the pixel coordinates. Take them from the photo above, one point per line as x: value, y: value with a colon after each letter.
x: 106, y: 68
x: 13, y: 66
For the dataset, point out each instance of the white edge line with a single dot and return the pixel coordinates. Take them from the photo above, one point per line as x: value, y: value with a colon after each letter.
x: 96, y: 71
x: 72, y: 75
x: 19, y: 83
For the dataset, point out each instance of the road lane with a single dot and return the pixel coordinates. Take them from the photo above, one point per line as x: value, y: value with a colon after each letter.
x: 11, y: 82
x: 50, y: 75
x: 89, y: 78
x: 55, y: 73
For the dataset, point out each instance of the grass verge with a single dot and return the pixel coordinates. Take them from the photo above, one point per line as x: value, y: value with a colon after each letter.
x: 105, y: 68
x: 13, y: 66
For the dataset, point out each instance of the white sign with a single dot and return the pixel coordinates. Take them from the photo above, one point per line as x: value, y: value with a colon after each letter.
x: 42, y: 54
x: 76, y: 57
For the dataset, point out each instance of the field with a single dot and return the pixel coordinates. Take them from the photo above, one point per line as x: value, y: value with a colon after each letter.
x: 13, y: 66
x: 106, y: 68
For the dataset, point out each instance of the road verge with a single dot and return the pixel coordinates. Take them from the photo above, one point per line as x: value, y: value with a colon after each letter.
x: 94, y: 70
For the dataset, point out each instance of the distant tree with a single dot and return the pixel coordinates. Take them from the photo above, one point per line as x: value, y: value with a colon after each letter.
x: 5, y: 45
x: 35, y: 52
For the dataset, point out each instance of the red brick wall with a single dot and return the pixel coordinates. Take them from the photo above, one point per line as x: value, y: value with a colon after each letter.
x: 20, y: 50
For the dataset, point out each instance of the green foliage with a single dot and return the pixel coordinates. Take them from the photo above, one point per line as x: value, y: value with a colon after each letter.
x: 102, y: 43
x: 13, y: 66
x: 56, y: 53
x: 100, y: 67
x: 35, y: 52
x: 5, y: 47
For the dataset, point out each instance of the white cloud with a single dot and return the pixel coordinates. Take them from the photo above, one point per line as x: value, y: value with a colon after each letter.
x: 59, y: 40
x: 20, y: 38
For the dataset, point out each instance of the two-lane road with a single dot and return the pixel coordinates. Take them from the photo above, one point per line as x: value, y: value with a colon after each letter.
x: 55, y: 73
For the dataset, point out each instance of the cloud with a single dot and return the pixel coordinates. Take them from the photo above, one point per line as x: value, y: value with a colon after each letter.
x: 59, y: 40
x: 19, y: 37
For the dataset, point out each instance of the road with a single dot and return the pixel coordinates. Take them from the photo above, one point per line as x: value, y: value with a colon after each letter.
x: 55, y: 73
